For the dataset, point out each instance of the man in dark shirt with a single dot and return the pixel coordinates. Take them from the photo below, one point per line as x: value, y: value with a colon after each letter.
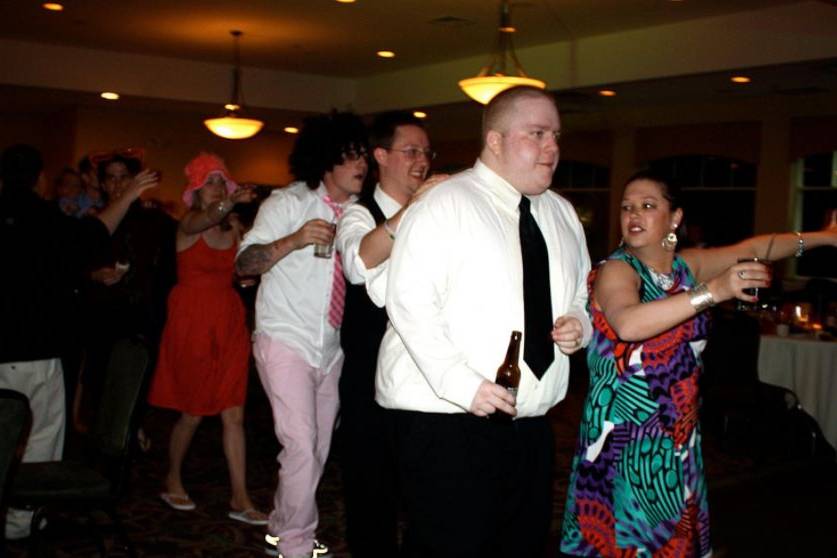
x: 46, y: 253
x: 131, y: 281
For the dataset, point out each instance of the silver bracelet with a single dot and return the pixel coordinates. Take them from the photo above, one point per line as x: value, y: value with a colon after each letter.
x: 800, y: 244
x: 701, y: 298
x: 388, y: 230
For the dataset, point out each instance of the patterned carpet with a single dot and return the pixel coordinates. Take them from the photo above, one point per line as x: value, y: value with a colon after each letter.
x: 773, y: 507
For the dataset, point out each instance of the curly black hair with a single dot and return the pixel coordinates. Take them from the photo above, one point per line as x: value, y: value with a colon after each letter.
x: 323, y: 141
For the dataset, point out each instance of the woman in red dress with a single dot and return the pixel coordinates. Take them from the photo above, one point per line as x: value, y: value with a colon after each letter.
x: 204, y: 354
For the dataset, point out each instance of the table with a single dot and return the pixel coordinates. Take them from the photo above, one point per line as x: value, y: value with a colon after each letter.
x: 808, y: 367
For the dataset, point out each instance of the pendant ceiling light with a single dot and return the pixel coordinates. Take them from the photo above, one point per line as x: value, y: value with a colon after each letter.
x: 495, y: 77
x: 231, y: 125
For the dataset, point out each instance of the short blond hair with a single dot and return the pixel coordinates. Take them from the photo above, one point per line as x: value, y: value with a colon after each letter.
x: 503, y: 103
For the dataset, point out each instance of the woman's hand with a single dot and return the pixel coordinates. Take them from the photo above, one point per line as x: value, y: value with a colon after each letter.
x: 243, y: 194
x: 732, y: 282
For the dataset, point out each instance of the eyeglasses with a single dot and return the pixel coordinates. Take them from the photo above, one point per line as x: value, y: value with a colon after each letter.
x: 352, y: 156
x: 412, y: 153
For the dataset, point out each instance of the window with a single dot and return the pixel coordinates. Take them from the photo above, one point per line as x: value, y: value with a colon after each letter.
x: 718, y: 196
x: 815, y: 180
x: 587, y: 187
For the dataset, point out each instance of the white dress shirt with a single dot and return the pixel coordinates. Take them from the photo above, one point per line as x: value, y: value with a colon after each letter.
x: 356, y: 223
x: 455, y: 293
x: 294, y: 296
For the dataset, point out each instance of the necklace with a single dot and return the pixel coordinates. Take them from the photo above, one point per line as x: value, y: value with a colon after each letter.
x: 663, y: 280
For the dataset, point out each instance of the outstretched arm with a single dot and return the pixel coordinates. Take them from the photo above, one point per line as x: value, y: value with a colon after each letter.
x: 113, y: 213
x: 198, y: 220
x: 708, y: 262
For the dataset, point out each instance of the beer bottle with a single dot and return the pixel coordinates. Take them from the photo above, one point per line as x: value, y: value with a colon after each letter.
x: 508, y: 375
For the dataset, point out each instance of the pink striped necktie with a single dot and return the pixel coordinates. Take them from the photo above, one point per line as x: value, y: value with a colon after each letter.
x: 338, y: 285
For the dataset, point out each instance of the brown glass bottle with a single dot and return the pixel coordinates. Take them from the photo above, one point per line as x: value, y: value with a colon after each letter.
x: 508, y: 375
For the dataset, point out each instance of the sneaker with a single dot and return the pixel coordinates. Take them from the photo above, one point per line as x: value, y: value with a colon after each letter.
x: 320, y: 550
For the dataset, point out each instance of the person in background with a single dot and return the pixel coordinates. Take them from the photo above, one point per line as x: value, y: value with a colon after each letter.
x: 90, y: 182
x: 205, y: 351
x: 68, y: 191
x: 365, y: 234
x: 299, y: 309
x: 128, y: 286
x: 637, y: 485
x: 486, y: 252
x: 46, y: 253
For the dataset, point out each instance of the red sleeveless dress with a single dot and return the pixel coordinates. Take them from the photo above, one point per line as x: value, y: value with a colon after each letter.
x: 205, y: 350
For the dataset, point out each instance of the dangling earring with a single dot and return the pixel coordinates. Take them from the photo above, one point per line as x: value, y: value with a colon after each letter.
x: 670, y: 240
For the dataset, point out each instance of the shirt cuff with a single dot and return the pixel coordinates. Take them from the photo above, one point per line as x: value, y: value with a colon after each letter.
x: 460, y: 386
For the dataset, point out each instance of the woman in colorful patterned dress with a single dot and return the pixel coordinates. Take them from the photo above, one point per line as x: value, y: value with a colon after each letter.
x: 204, y: 354
x: 637, y: 487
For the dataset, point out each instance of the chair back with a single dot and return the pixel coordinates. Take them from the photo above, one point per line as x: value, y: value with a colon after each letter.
x: 14, y: 418
x: 731, y: 355
x: 124, y: 380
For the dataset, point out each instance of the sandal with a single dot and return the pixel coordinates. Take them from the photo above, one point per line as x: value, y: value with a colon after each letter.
x: 180, y: 502
x: 250, y: 516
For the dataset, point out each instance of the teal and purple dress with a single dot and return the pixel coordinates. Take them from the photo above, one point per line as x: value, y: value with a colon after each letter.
x: 637, y: 486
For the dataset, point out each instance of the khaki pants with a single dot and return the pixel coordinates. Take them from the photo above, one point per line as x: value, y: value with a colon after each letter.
x: 42, y: 381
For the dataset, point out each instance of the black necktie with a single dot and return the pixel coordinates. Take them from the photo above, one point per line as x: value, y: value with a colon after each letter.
x: 537, y: 302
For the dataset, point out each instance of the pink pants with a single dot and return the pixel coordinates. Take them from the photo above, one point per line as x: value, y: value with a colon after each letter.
x: 305, y: 401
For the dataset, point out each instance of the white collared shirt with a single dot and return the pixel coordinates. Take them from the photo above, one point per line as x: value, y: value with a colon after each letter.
x: 455, y: 293
x: 294, y: 295
x: 356, y: 223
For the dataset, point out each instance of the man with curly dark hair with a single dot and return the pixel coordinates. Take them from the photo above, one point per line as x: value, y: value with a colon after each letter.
x: 299, y: 309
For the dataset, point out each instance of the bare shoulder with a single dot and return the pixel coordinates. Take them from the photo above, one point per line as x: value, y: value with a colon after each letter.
x: 616, y: 273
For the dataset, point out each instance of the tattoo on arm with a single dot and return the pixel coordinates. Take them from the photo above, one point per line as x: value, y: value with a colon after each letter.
x: 256, y: 259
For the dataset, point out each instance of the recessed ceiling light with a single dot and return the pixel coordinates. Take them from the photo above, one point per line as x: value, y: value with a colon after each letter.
x: 52, y: 6
x: 386, y: 54
x: 110, y: 96
x: 419, y: 114
x: 291, y: 129
x: 607, y: 92
x: 345, y: 1
x: 740, y: 79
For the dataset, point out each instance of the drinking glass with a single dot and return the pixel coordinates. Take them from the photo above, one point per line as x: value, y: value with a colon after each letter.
x: 326, y: 250
x: 759, y: 292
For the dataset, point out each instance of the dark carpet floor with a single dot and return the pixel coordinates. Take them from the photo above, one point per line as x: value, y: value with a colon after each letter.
x: 781, y: 505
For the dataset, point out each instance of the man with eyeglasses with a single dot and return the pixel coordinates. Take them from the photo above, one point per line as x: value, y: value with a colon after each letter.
x: 365, y: 235
x: 489, y: 251
x: 299, y: 309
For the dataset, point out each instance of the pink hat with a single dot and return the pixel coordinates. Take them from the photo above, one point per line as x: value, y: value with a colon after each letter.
x: 198, y: 171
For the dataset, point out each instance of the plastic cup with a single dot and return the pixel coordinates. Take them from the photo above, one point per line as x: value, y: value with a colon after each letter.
x: 326, y: 250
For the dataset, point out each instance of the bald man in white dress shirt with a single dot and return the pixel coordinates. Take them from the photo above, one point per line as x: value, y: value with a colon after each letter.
x: 489, y: 251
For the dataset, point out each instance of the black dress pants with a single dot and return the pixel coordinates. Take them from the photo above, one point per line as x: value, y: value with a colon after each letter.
x: 474, y: 487
x: 365, y: 440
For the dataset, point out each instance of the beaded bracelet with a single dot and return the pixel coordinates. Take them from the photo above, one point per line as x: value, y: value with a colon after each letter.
x: 701, y: 298
x: 800, y: 244
x: 389, y: 231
